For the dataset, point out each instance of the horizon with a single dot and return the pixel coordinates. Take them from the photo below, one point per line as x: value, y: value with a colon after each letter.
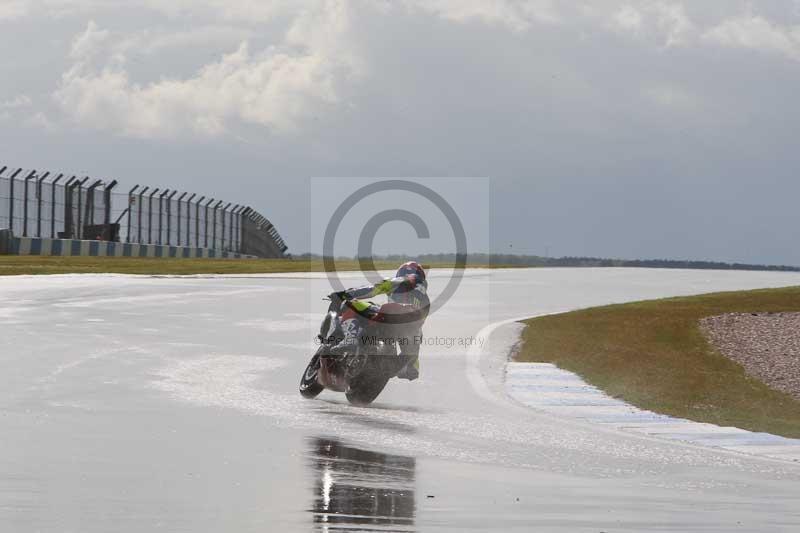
x: 411, y: 256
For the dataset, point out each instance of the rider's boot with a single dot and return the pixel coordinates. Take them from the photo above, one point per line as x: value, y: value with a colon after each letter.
x: 411, y: 370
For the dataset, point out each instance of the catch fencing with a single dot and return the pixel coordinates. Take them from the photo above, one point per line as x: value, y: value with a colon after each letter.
x: 55, y: 206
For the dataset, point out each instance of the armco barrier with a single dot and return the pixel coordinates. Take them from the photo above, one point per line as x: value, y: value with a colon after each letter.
x: 75, y: 247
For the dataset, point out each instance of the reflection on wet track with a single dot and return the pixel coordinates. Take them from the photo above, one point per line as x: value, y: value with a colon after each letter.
x: 358, y: 490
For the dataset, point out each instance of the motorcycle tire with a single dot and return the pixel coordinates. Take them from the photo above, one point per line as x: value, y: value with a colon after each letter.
x: 368, y: 385
x: 309, y: 386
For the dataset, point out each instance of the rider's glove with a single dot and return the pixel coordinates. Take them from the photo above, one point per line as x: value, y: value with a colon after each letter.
x: 340, y: 295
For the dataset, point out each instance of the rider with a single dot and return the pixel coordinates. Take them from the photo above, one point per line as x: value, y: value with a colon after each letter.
x: 407, y: 310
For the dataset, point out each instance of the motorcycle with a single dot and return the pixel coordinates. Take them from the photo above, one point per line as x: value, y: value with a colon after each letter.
x: 365, y: 367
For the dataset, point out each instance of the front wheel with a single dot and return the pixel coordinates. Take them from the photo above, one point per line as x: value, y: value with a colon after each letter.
x: 309, y: 386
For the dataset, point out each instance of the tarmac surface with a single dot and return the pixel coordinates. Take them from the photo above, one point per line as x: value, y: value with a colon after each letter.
x: 170, y: 404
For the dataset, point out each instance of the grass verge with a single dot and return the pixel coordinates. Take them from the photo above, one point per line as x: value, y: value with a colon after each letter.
x: 26, y: 265
x: 652, y: 354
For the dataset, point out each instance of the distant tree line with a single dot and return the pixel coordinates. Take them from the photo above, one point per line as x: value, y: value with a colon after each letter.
x: 539, y: 261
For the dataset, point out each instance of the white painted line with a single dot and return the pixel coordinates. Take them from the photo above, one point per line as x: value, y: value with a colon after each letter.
x: 474, y: 353
x: 548, y: 388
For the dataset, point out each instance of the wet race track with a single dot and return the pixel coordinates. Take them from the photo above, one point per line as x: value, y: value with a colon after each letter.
x: 170, y: 404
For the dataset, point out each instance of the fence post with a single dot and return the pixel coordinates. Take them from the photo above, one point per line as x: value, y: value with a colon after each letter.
x: 25, y: 203
x: 39, y: 203
x: 139, y: 218
x: 231, y: 242
x: 189, y: 219
x: 80, y: 200
x: 69, y: 200
x: 53, y: 206
x: 197, y: 222
x: 239, y: 228
x: 107, y: 217
x: 231, y: 226
x: 169, y: 217
x: 205, y: 237
x: 76, y: 218
x: 131, y: 201
x: 224, y: 213
x: 214, y: 229
x: 88, y: 217
x: 161, y: 216
x: 68, y: 206
x: 150, y: 216
x: 11, y: 199
x: 178, y: 230
x: 242, y: 244
x: 214, y: 225
x: 235, y: 227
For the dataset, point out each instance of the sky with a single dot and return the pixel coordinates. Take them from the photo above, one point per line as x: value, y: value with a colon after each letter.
x: 631, y: 129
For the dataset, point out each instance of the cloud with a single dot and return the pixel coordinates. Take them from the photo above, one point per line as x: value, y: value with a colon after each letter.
x: 249, y: 11
x: 16, y: 9
x: 39, y: 120
x: 17, y: 102
x: 246, y: 11
x: 674, y: 22
x: 113, y: 83
x: 278, y: 87
x: 666, y: 21
x: 89, y: 42
x: 151, y: 41
x: 671, y: 23
x: 756, y: 33
x: 517, y: 15
x: 10, y: 108
x: 671, y: 96
x: 628, y: 18
x: 13, y: 9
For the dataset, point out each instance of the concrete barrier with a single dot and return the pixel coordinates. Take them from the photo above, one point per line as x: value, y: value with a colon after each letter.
x: 75, y: 247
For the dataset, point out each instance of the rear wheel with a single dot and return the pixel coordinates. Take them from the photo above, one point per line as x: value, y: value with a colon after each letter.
x: 309, y: 386
x: 364, y: 391
x: 373, y: 377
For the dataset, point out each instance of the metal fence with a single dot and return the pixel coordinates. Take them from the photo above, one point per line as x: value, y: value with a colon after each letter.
x: 44, y: 204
